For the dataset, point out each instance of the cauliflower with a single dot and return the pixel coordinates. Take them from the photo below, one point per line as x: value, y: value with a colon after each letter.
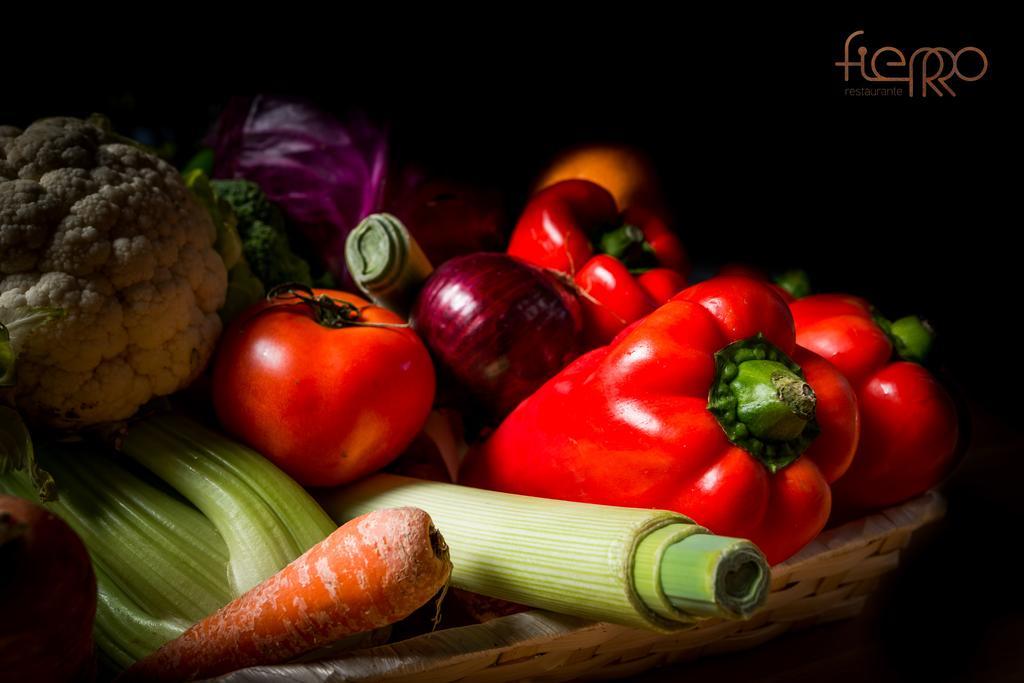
x: 107, y: 234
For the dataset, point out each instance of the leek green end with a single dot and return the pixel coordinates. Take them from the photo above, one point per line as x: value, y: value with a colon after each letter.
x: 702, y: 575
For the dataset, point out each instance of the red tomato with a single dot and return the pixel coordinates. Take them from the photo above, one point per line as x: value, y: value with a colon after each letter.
x: 326, y: 404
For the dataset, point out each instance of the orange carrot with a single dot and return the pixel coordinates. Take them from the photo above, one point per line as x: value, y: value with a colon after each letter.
x: 371, y: 572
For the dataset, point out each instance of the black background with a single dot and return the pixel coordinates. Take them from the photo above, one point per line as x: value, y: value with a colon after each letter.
x: 911, y: 202
x: 904, y: 200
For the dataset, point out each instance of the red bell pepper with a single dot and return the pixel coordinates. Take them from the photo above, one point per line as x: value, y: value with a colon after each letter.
x: 910, y: 429
x: 791, y: 285
x: 575, y: 228
x: 662, y: 283
x: 707, y: 406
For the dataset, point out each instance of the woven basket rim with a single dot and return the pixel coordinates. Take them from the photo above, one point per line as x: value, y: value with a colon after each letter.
x: 857, y: 533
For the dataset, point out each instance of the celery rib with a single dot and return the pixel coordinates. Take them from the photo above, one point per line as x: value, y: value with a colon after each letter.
x: 283, y: 496
x: 250, y: 526
x: 162, y: 561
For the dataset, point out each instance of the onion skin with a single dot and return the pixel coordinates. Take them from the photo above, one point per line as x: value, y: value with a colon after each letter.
x: 48, y: 594
x: 498, y: 326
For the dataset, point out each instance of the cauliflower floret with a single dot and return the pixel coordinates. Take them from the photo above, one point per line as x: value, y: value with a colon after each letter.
x: 109, y: 234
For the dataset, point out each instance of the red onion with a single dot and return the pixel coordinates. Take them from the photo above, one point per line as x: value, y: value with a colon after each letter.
x: 498, y: 326
x: 47, y: 594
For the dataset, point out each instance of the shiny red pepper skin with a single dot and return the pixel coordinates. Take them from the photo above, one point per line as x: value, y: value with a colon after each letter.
x: 555, y: 228
x: 754, y: 273
x: 628, y: 424
x: 661, y: 284
x: 909, y: 429
x: 612, y: 298
x: 558, y: 229
x: 666, y: 245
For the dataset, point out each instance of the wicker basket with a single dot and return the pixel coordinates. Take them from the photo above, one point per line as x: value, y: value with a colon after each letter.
x: 828, y: 580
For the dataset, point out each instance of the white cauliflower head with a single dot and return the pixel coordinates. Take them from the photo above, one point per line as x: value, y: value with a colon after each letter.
x: 109, y: 234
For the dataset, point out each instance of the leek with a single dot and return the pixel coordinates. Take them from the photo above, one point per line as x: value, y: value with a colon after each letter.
x: 644, y: 568
x: 168, y: 550
x: 386, y: 262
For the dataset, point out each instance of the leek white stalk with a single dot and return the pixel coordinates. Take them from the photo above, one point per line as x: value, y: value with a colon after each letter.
x: 645, y: 568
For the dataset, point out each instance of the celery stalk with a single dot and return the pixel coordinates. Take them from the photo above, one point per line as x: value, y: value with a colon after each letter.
x: 162, y: 561
x: 157, y: 560
x: 189, y: 583
x: 125, y: 631
x: 264, y: 517
x: 641, y: 568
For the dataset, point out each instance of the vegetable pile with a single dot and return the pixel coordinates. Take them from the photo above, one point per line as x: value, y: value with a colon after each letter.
x: 639, y: 266
x: 325, y: 174
x: 200, y: 522
x: 910, y: 431
x: 193, y: 398
x: 370, y: 572
x: 710, y: 397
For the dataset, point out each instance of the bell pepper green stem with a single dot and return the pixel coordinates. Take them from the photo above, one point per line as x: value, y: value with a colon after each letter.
x: 912, y: 338
x: 628, y: 244
x: 796, y: 282
x: 763, y: 402
x: 201, y: 161
x: 771, y: 400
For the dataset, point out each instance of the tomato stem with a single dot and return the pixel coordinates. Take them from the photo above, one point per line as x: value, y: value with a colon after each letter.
x: 328, y: 311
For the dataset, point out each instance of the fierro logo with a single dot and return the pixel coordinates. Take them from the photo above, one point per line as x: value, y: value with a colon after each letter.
x: 928, y: 70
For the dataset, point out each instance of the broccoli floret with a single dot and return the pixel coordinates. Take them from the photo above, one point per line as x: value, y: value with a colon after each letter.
x: 270, y: 257
x: 248, y: 202
x: 263, y: 230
